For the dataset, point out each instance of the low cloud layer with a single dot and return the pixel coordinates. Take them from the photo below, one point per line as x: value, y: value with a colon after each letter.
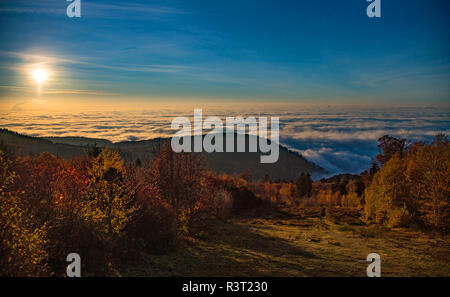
x: 338, y: 139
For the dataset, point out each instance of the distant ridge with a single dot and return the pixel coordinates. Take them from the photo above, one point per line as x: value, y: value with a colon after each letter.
x: 30, y: 145
x: 288, y: 167
x: 80, y: 141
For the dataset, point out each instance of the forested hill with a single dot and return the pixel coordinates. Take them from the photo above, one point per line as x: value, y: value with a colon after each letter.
x: 288, y: 167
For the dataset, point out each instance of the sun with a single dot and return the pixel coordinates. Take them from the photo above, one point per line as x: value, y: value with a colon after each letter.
x: 40, y: 75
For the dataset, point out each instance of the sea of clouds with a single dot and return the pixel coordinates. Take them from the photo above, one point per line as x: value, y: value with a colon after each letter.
x: 340, y: 139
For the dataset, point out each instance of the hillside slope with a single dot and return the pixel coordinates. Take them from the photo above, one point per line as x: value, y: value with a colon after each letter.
x: 288, y: 167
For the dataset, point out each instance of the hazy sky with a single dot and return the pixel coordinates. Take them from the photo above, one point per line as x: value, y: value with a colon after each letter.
x: 305, y: 51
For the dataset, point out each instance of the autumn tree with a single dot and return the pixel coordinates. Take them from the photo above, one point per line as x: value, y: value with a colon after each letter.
x: 22, y: 240
x: 180, y: 177
x: 387, y: 197
x: 153, y: 227
x: 414, y: 186
x: 304, y: 185
x: 389, y: 147
x: 107, y: 200
x: 428, y: 171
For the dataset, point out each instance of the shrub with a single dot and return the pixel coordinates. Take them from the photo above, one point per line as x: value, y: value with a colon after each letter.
x: 398, y: 217
x: 197, y: 219
x: 352, y: 200
x: 223, y: 203
x: 244, y: 200
x: 154, y: 226
x: 22, y: 241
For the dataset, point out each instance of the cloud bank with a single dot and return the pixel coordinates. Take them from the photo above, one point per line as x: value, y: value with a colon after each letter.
x: 341, y: 140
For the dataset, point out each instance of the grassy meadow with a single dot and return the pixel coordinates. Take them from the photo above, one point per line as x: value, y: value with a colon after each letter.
x: 300, y: 243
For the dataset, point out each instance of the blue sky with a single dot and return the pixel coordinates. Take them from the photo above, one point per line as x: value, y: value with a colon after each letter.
x: 303, y: 51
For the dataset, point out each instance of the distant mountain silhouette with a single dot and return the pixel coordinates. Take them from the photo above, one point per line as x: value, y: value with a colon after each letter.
x: 288, y: 167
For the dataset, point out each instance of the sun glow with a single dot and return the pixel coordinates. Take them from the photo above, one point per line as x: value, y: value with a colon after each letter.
x: 40, y: 75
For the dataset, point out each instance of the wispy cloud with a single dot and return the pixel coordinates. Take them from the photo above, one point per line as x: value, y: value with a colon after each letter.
x: 183, y: 72
x: 53, y: 91
x: 89, y: 8
x: 87, y: 61
x: 48, y: 7
x: 124, y: 7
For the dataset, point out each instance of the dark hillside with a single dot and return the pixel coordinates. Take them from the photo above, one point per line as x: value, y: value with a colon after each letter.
x: 288, y: 167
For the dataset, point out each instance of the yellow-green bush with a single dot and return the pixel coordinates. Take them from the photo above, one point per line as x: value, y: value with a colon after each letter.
x: 22, y: 241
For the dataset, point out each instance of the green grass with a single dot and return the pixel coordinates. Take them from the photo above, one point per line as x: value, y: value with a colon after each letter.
x: 299, y: 245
